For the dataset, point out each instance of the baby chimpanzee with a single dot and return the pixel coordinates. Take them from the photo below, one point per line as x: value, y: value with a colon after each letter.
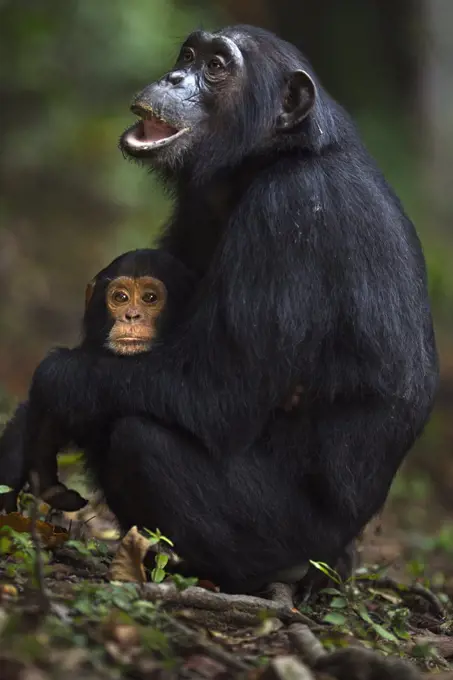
x: 127, y: 305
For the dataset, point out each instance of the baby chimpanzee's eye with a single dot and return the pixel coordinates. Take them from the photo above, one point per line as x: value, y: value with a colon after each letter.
x: 120, y: 296
x: 149, y: 297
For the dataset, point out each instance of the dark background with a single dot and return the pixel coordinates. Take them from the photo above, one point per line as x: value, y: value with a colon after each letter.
x: 69, y: 202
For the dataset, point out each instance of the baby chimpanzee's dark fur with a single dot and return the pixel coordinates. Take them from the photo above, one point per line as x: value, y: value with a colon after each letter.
x: 128, y: 304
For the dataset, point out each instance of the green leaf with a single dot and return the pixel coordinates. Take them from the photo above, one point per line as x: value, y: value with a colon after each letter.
x: 364, y: 614
x: 5, y: 489
x: 328, y: 571
x: 158, y: 575
x: 338, y: 603
x: 161, y: 560
x: 423, y: 651
x: 183, y: 582
x: 5, y: 545
x: 330, y: 591
x: 121, y: 601
x: 335, y: 618
x: 167, y: 540
x: 402, y: 634
x: 84, y: 606
x: 383, y: 633
x: 380, y: 630
x: 81, y: 548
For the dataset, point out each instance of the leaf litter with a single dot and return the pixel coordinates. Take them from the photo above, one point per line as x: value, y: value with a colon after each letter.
x: 106, y: 620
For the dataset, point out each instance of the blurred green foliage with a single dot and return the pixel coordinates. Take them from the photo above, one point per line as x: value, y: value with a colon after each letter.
x: 67, y: 71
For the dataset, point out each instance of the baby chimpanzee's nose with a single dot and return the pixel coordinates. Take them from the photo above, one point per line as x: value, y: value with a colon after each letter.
x: 133, y: 315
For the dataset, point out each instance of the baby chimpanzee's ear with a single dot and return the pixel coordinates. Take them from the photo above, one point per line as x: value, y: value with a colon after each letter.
x: 89, y: 290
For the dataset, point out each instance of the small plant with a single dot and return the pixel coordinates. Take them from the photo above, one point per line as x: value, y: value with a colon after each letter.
x: 366, y: 611
x: 328, y: 571
x: 161, y: 559
x: 183, y: 582
x: 18, y: 547
x: 91, y: 548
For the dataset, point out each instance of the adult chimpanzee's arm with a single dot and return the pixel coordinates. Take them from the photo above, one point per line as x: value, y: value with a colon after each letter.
x: 314, y: 281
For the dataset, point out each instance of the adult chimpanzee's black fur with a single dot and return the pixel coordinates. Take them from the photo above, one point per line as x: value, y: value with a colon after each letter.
x: 311, y: 274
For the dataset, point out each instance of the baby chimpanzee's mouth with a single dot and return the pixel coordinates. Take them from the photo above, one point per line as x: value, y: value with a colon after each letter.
x: 150, y: 133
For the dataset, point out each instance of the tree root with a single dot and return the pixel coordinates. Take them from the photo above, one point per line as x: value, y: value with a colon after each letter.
x: 234, y: 606
x: 307, y: 645
x: 281, y: 593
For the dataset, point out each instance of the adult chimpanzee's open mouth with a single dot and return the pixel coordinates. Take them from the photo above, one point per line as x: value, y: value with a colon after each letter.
x: 150, y: 133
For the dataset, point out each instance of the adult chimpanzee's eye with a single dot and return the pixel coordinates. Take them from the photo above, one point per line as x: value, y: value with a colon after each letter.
x: 187, y: 55
x: 149, y: 298
x: 215, y: 64
x: 120, y: 296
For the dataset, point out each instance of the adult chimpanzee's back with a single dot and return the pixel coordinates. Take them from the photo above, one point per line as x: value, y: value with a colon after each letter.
x: 310, y: 274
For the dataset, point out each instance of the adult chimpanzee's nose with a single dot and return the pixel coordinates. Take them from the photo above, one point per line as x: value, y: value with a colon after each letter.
x: 175, y: 77
x: 133, y: 315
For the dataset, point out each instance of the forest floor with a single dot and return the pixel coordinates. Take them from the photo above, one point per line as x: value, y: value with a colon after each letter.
x: 66, y: 614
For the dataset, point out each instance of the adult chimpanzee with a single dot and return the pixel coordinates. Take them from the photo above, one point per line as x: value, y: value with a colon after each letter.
x: 310, y: 273
x: 128, y: 304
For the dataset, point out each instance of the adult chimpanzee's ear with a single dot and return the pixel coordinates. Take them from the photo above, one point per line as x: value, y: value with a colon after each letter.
x: 299, y: 98
x: 89, y: 290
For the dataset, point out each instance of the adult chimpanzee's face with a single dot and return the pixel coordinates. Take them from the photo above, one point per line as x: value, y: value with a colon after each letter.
x: 231, y: 94
x: 174, y: 110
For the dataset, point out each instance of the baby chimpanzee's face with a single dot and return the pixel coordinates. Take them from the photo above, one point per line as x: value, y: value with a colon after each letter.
x: 134, y: 305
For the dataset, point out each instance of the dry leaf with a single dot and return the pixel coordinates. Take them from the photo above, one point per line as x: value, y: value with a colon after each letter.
x: 127, y: 565
x: 126, y: 635
x: 51, y: 537
x: 8, y: 590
